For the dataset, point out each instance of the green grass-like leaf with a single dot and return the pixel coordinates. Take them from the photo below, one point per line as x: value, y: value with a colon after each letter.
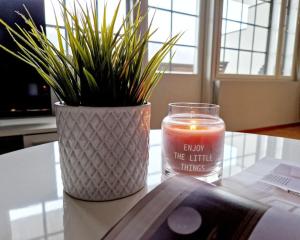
x: 105, y: 66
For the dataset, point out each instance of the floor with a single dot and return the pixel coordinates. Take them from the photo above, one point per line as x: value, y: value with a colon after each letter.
x: 288, y: 132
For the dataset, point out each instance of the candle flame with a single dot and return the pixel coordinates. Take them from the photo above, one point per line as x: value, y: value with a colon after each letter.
x: 193, y: 125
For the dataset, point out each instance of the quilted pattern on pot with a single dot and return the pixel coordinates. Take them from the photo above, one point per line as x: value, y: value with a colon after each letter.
x: 104, y: 151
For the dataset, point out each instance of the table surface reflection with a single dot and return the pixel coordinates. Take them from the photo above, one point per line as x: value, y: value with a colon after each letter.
x: 33, y: 205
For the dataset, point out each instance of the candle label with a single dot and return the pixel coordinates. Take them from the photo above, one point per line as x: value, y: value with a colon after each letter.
x: 193, y: 154
x: 194, y: 158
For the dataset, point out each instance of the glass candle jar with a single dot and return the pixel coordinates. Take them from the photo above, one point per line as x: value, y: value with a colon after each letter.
x: 193, y: 141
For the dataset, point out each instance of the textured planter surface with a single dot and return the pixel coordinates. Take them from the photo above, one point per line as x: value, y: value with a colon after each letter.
x: 103, y: 151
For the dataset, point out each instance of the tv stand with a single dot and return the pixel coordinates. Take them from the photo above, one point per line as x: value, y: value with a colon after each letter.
x: 17, y: 133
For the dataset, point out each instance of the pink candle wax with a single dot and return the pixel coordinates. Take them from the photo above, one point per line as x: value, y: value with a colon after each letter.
x: 193, y: 148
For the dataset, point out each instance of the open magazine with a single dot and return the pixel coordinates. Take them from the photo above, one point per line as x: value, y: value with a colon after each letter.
x: 185, y: 208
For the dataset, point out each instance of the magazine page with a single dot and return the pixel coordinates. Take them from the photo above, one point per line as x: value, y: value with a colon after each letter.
x: 276, y: 184
x: 262, y: 202
x: 185, y: 208
x: 271, y: 182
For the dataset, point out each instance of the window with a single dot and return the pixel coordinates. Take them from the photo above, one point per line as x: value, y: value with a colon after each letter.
x: 172, y: 17
x: 246, y: 32
x: 251, y: 37
x: 258, y: 37
x: 52, y: 6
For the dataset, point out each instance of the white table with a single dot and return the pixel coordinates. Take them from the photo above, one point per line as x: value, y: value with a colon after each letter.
x: 33, y: 205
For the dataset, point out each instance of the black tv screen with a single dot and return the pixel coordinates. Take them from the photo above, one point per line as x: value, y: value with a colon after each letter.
x: 22, y: 91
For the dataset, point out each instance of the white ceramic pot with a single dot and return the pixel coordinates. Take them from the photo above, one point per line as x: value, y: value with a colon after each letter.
x: 103, y: 150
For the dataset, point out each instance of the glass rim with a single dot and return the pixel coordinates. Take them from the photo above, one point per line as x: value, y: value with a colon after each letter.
x: 194, y: 105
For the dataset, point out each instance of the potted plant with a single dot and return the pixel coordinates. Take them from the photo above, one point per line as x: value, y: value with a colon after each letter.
x: 103, y: 117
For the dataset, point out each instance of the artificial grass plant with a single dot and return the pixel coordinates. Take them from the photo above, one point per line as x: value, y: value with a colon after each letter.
x: 105, y: 65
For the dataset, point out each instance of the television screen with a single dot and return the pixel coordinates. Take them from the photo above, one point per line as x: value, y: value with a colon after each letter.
x: 22, y: 91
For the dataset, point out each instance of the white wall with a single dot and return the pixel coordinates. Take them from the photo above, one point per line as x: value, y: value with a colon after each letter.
x: 259, y: 103
x: 174, y: 88
x: 245, y: 104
